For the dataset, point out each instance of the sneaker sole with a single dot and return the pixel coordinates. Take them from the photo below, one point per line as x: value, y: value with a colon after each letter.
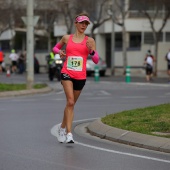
x: 61, y: 141
x: 70, y: 142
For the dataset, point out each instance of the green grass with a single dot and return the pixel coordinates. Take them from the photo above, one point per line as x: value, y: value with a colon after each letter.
x: 15, y: 87
x: 144, y: 120
x: 39, y: 86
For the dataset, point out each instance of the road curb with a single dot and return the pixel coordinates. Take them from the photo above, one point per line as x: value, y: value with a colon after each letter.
x: 25, y: 92
x: 103, y: 131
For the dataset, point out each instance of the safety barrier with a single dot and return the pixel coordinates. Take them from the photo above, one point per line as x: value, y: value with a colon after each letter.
x: 128, y: 77
x: 96, y: 74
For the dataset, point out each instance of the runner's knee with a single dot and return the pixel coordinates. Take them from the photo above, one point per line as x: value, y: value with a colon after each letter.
x: 70, y: 103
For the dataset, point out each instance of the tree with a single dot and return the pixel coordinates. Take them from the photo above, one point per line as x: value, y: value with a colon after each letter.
x: 10, y: 13
x: 48, y: 13
x: 97, y: 9
x: 67, y: 10
x: 120, y: 11
x: 154, y: 10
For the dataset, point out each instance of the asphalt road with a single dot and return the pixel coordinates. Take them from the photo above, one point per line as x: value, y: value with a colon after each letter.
x: 27, y: 123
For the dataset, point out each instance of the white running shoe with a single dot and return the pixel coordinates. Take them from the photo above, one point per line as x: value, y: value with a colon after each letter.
x: 69, y: 138
x: 61, y: 134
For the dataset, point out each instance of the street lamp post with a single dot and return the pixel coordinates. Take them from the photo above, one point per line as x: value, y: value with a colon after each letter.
x: 30, y: 44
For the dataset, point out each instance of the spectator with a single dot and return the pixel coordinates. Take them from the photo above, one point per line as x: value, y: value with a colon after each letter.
x: 36, y: 65
x: 167, y: 58
x: 149, y: 60
x: 1, y: 60
x: 21, y: 63
x: 14, y: 57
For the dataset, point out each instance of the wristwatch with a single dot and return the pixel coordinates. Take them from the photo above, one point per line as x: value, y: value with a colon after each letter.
x: 92, y: 53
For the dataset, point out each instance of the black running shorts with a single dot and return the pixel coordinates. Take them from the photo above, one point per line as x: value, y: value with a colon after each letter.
x: 168, y: 66
x: 149, y: 69
x: 77, y: 84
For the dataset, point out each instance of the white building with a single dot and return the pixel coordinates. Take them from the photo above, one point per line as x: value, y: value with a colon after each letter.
x: 139, y: 39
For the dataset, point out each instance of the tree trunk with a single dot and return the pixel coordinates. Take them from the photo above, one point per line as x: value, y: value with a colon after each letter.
x: 156, y: 40
x: 156, y: 57
x: 92, y: 32
x: 49, y: 42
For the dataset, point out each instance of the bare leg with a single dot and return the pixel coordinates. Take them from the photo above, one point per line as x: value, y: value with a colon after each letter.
x: 147, y: 78
x: 71, y: 97
x: 15, y: 68
x: 169, y: 74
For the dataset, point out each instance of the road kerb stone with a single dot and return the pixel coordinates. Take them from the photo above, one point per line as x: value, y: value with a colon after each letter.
x: 101, y: 130
x: 98, y: 129
x: 25, y: 92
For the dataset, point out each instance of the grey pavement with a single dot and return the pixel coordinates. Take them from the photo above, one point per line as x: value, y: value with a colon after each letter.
x: 96, y: 127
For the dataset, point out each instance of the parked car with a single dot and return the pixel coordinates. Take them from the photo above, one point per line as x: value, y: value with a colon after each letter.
x: 90, y: 66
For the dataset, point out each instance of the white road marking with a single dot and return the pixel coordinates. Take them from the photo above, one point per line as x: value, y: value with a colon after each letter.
x: 86, y: 94
x: 150, y: 84
x: 26, y: 100
x: 96, y: 98
x: 60, y: 92
x: 46, y: 94
x: 137, y: 83
x: 134, y: 97
x: 122, y: 153
x: 102, y: 92
x: 163, y: 96
x: 58, y: 99
x: 54, y: 131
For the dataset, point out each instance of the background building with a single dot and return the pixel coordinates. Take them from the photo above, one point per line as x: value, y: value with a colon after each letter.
x: 132, y: 28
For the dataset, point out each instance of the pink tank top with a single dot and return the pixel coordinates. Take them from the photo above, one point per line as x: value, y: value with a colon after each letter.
x: 76, y: 57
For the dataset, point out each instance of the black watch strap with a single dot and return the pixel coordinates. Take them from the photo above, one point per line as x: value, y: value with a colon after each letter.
x: 92, y: 53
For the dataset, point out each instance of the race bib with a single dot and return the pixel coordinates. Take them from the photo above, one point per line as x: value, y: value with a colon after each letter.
x: 75, y: 63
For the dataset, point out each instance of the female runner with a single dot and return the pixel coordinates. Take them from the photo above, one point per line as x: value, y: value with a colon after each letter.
x: 73, y: 73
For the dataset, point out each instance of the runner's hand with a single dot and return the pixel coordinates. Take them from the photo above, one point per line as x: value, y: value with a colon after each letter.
x: 90, y: 44
x: 62, y: 53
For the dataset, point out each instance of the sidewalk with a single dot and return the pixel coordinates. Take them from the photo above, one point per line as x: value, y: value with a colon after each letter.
x: 25, y: 92
x: 18, y: 79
